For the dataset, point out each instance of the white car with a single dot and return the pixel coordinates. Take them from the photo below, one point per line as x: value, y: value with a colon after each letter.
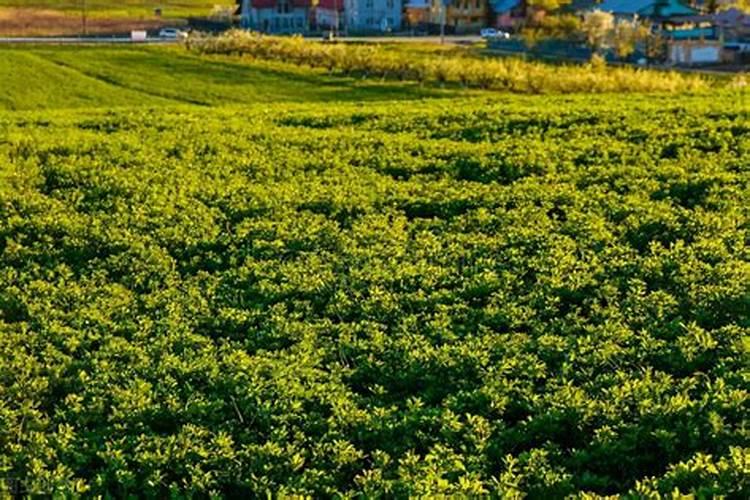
x: 172, y: 33
x: 493, y: 33
x: 488, y: 33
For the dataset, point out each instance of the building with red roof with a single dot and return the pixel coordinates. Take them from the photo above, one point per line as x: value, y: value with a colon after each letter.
x: 276, y: 16
x: 329, y: 14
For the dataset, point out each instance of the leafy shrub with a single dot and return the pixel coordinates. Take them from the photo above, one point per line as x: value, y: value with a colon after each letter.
x: 523, y: 297
x: 489, y: 73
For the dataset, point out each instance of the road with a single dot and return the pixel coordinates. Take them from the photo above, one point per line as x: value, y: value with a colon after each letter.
x: 79, y: 40
x: 152, y: 40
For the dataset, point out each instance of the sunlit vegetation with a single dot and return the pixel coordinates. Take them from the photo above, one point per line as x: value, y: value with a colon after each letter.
x: 504, y: 74
x: 89, y: 77
x: 509, y: 296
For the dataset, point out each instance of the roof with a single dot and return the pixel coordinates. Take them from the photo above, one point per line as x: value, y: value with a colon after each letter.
x: 646, y: 8
x: 271, y: 4
x: 623, y: 6
x: 500, y: 6
x: 732, y: 18
x: 331, y: 4
x: 580, y: 6
x: 673, y: 8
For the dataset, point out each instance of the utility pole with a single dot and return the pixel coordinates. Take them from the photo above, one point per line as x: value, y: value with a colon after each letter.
x: 336, y: 11
x: 83, y: 16
x: 442, y: 21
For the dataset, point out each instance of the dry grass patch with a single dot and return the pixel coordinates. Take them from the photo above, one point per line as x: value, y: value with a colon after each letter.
x: 46, y: 22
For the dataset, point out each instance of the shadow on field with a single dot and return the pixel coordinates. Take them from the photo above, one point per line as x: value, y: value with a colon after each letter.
x: 150, y: 75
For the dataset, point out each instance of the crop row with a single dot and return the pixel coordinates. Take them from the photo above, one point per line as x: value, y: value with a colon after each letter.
x: 508, y: 74
x: 533, y: 297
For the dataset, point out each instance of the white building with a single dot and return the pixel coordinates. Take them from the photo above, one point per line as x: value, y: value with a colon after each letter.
x: 329, y: 14
x: 373, y: 15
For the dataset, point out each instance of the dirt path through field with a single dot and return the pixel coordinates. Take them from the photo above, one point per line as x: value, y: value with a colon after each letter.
x: 41, y: 22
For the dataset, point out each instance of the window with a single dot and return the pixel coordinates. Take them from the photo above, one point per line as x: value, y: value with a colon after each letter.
x: 389, y: 3
x: 284, y: 7
x: 478, y: 4
x: 368, y: 4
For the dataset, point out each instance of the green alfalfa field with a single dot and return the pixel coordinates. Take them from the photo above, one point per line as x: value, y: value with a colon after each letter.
x: 230, y: 276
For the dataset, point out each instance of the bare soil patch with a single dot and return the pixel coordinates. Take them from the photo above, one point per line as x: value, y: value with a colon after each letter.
x: 42, y: 22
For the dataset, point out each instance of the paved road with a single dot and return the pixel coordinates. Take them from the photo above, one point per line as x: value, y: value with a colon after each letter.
x: 126, y: 39
x: 80, y: 40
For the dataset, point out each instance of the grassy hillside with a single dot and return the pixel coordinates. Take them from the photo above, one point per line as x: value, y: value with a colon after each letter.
x: 45, y: 77
x: 231, y: 276
x: 523, y: 296
x: 64, y: 17
x: 69, y: 77
x: 121, y: 8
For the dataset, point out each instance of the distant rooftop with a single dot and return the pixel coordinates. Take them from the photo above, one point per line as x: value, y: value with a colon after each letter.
x: 500, y: 6
x: 417, y: 4
x: 646, y: 8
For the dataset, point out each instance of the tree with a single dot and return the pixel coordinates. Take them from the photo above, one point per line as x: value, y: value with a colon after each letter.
x: 743, y: 5
x: 656, y: 47
x: 597, y: 26
x: 547, y: 5
x: 562, y: 26
x: 536, y: 10
x: 625, y: 35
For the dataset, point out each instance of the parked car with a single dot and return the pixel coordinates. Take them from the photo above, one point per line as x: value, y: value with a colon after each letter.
x: 493, y: 33
x: 172, y: 33
x: 488, y: 33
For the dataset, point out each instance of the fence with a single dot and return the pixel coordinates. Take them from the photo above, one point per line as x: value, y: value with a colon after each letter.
x: 555, y: 49
x: 211, y: 25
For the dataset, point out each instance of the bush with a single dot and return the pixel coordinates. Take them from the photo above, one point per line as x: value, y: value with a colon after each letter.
x: 540, y: 296
x: 488, y: 73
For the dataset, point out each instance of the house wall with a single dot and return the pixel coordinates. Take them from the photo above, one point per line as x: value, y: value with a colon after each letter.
x: 468, y: 15
x: 373, y: 15
x: 504, y: 21
x: 327, y: 18
x: 694, y: 53
x: 416, y: 12
x: 269, y: 20
x: 416, y: 16
x: 246, y: 16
